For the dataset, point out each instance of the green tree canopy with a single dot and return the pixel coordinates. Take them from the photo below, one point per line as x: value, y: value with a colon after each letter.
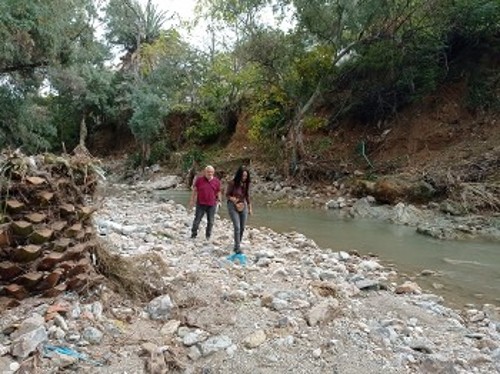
x: 37, y: 34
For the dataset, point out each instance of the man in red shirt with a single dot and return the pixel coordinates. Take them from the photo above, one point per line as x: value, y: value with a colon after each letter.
x: 206, y: 194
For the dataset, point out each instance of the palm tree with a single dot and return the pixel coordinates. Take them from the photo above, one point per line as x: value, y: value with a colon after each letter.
x: 129, y: 25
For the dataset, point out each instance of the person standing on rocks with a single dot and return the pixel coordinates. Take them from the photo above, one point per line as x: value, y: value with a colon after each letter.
x: 239, y: 204
x: 207, y: 195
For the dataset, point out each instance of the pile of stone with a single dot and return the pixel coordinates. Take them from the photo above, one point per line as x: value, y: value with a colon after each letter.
x: 46, y: 232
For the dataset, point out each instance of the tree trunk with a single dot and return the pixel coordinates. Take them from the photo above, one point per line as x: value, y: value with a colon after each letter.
x: 295, y: 141
x: 83, y: 131
x: 145, y: 154
x: 295, y: 136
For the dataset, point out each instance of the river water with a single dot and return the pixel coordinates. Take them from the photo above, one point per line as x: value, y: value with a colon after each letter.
x: 467, y: 271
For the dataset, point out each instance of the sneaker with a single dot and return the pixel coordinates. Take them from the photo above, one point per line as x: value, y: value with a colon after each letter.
x: 240, y: 258
x: 232, y: 257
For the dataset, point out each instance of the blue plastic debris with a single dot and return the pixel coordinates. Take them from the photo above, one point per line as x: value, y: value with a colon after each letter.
x: 49, y: 349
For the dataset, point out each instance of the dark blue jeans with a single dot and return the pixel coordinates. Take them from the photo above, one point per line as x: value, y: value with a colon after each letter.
x: 198, y: 215
x: 239, y: 220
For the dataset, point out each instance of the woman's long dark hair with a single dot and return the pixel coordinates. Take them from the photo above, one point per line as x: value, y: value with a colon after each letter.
x: 238, y: 177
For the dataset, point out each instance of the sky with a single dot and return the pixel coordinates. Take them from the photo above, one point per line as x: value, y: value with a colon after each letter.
x: 184, y: 10
x: 179, y: 11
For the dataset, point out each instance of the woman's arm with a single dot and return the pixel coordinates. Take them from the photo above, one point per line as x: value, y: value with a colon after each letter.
x: 249, y: 202
x: 229, y: 191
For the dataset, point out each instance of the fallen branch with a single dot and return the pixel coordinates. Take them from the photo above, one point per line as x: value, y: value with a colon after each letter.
x: 476, y: 196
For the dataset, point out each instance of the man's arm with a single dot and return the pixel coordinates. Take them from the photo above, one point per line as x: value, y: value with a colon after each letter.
x: 192, y: 199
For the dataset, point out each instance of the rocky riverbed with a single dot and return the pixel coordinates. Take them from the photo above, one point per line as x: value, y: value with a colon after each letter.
x: 294, y: 307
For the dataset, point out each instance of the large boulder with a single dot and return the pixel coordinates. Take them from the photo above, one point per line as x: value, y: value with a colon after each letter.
x: 390, y: 191
x: 395, y: 189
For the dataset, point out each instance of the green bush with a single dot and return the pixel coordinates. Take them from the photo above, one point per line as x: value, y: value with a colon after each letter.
x: 133, y: 160
x: 207, y: 130
x: 25, y: 122
x: 320, y: 146
x: 193, y: 156
x: 484, y: 90
x: 386, y: 77
x: 160, y: 151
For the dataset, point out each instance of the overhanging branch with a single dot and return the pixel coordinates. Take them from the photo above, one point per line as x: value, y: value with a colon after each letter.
x: 23, y: 67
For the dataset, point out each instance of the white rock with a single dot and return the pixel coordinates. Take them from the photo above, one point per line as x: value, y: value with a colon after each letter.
x: 3, y: 350
x: 56, y: 333
x: 265, y: 253
x: 279, y: 304
x: 14, y: 367
x: 27, y: 343
x: 344, y: 256
x: 254, y: 340
x: 237, y: 296
x: 29, y: 324
x: 289, y: 340
x: 322, y: 312
x: 92, y: 335
x: 194, y: 337
x: 170, y: 328
x: 264, y: 261
x: 183, y: 331
x: 160, y: 308
x: 231, y: 350
x: 97, y: 310
x: 215, y: 344
x: 317, y: 353
x: 8, y: 365
x: 60, y: 321
x: 369, y: 265
x: 300, y: 304
x: 194, y: 353
x: 291, y: 252
x: 280, y: 272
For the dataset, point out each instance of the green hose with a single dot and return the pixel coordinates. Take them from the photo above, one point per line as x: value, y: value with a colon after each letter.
x: 361, y: 148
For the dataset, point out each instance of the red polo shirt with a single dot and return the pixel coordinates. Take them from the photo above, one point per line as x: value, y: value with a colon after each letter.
x: 207, y: 190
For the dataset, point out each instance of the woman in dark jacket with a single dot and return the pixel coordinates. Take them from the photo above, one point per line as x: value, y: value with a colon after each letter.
x: 239, y: 204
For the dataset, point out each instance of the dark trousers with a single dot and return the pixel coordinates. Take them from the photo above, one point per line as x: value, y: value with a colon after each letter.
x: 198, y: 216
x: 239, y: 220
